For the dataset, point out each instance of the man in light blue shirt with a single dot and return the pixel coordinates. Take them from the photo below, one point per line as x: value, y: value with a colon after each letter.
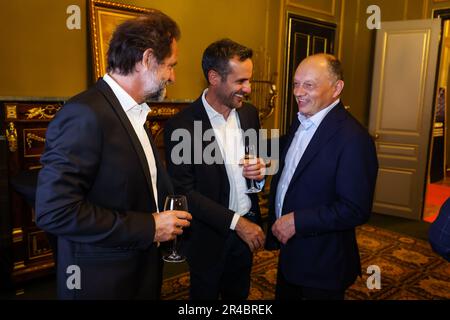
x: 323, y: 190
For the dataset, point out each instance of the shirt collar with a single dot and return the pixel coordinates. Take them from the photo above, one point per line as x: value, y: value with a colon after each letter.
x: 125, y: 100
x: 318, y: 117
x: 212, y: 113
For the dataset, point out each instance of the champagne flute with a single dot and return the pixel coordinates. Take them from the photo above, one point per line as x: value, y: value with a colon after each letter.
x: 175, y: 202
x: 250, y: 153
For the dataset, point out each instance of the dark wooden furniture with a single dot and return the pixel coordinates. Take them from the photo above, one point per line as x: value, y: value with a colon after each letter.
x: 25, y: 250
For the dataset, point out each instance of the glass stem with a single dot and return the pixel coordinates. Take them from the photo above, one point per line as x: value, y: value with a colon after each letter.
x: 174, y: 246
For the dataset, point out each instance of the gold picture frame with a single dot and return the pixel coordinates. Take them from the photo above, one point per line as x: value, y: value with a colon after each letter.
x: 104, y: 17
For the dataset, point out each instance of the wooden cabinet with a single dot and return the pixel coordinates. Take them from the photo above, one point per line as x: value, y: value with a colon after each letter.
x: 28, y: 252
x: 25, y: 251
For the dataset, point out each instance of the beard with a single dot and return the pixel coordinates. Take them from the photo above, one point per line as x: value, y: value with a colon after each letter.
x: 157, y: 88
x: 157, y: 96
x: 230, y: 100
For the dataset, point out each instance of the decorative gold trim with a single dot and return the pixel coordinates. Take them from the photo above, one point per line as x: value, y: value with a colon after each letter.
x: 95, y: 8
x: 263, y: 97
x: 433, y: 10
x: 36, y: 268
x: 331, y: 14
x: 35, y: 167
x: 321, y: 38
x: 340, y: 27
x: 20, y: 292
x: 281, y: 62
x: 33, y: 251
x: 28, y: 138
x: 17, y: 235
x: 284, y: 124
x: 11, y: 136
x: 33, y: 137
x: 438, y: 132
x: 19, y: 265
x: 47, y: 112
x: 162, y: 112
x: 11, y: 111
x: 154, y: 128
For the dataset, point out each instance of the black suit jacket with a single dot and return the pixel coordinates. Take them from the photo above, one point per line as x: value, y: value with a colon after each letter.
x: 331, y: 192
x: 206, y: 186
x: 94, y: 192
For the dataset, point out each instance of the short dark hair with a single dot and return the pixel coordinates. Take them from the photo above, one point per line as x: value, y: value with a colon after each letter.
x: 154, y: 30
x: 218, y: 54
x: 335, y: 67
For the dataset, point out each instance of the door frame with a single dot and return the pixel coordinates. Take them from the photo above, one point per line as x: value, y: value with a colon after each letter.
x: 444, y: 14
x: 284, y: 121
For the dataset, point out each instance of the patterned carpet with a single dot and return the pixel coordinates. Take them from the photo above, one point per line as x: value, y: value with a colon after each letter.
x: 409, y: 270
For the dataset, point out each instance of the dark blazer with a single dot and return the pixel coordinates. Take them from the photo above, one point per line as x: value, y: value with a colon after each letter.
x: 206, y: 186
x: 94, y: 192
x: 330, y: 193
x: 439, y: 234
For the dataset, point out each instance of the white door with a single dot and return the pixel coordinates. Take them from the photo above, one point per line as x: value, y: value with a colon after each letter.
x: 400, y: 113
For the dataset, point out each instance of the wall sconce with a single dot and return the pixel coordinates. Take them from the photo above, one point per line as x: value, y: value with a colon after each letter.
x: 263, y: 97
x: 264, y: 91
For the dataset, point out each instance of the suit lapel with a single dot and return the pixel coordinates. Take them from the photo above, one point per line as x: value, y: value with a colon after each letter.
x: 290, y: 137
x: 244, y: 120
x: 327, y: 129
x: 163, y: 183
x: 201, y: 115
x: 282, y: 157
x: 115, y: 104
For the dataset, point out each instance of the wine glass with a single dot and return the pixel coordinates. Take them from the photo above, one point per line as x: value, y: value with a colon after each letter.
x: 250, y: 153
x: 175, y: 202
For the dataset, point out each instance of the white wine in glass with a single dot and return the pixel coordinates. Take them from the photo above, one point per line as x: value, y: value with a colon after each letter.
x: 175, y: 202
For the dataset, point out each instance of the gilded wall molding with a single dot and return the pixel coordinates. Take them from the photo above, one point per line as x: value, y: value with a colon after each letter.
x: 11, y: 136
x: 331, y: 13
x: 11, y: 111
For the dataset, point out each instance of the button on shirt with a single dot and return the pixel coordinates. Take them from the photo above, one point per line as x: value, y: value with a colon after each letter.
x: 137, y: 114
x: 229, y: 138
x: 300, y: 142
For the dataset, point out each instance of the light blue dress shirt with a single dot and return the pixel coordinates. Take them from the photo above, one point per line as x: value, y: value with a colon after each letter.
x: 300, y: 142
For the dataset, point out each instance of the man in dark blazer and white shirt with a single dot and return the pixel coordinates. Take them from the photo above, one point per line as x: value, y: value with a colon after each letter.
x: 225, y: 228
x: 102, y: 186
x: 323, y: 190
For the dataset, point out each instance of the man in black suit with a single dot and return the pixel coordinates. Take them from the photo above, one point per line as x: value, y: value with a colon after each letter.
x: 225, y: 228
x: 102, y: 186
x: 323, y: 190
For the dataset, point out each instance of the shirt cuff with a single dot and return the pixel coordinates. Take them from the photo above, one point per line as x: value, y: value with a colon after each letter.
x: 234, y: 221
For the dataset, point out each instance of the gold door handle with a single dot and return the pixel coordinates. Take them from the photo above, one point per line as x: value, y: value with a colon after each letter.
x: 375, y: 136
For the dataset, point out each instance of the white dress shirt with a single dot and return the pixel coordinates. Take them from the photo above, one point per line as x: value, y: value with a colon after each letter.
x: 300, y: 142
x: 228, y: 134
x: 137, y: 114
